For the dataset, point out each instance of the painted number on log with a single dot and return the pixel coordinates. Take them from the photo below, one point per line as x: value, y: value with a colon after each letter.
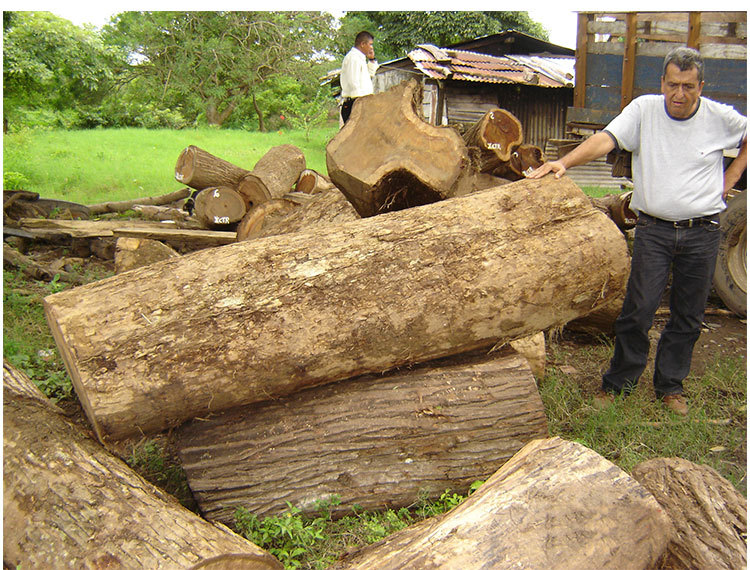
x: 495, y: 146
x: 216, y: 193
x: 221, y: 219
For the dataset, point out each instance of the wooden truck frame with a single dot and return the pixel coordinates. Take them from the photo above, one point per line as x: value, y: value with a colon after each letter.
x: 619, y: 56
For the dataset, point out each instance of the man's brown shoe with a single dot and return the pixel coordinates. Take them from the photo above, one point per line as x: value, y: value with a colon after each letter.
x: 676, y: 403
x: 603, y: 399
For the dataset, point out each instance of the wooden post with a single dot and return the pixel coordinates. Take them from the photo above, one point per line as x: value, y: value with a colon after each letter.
x: 694, y: 30
x: 628, y: 59
x: 579, y: 91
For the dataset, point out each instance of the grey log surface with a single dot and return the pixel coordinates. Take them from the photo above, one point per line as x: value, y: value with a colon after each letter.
x: 554, y: 505
x: 274, y: 175
x: 375, y: 441
x: 200, y: 169
x: 258, y: 319
x: 708, y: 512
x: 386, y: 157
x: 69, y: 503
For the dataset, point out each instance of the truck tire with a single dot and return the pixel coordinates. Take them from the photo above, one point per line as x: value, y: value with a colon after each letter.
x: 730, y: 277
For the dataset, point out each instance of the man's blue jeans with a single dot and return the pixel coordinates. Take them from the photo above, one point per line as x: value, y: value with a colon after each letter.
x: 691, y: 255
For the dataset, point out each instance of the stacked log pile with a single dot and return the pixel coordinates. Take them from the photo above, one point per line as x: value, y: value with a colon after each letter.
x: 352, y: 339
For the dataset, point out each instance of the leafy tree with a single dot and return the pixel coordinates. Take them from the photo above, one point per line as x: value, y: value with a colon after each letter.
x: 396, y: 33
x: 211, y: 63
x: 50, y: 64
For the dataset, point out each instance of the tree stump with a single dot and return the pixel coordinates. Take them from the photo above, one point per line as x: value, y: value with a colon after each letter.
x: 258, y: 319
x: 68, y: 503
x: 274, y: 175
x: 377, y: 442
x: 200, y: 169
x: 554, y: 505
x: 708, y: 513
x: 388, y: 158
x: 495, y: 136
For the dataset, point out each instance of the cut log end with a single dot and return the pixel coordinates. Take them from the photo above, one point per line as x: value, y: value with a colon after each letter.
x: 220, y: 206
x: 185, y: 167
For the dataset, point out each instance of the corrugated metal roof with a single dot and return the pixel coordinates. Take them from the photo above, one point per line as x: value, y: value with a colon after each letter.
x: 438, y: 63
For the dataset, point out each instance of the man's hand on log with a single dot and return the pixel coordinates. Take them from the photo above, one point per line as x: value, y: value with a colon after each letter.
x: 552, y: 166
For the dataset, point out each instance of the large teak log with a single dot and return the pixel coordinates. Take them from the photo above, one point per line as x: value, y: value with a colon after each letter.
x: 554, y: 505
x: 253, y: 320
x: 387, y: 157
x: 377, y: 442
x: 274, y: 175
x: 708, y: 513
x: 68, y: 503
x: 200, y: 169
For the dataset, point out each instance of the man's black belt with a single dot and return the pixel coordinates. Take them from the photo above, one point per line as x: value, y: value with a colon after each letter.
x: 712, y: 219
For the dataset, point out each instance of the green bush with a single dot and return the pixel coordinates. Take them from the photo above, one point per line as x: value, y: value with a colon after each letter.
x: 14, y: 181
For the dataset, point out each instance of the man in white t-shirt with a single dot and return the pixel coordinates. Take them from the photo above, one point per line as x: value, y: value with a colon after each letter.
x: 357, y: 70
x: 679, y: 186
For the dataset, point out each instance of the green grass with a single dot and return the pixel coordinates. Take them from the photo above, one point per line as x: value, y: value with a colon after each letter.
x: 100, y: 165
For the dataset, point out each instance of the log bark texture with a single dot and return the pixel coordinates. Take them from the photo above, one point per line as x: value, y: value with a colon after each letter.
x: 495, y: 136
x: 153, y: 347
x: 378, y: 442
x: 68, y: 503
x: 388, y: 158
x: 274, y: 175
x: 709, y: 514
x: 105, y: 207
x: 554, y: 505
x: 200, y: 169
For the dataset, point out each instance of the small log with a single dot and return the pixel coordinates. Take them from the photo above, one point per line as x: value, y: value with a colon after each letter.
x: 708, y: 513
x: 153, y: 347
x: 329, y: 207
x: 221, y: 206
x: 68, y: 503
x: 200, y: 169
x: 161, y: 213
x: 12, y: 258
x: 134, y: 252
x: 495, y: 135
x: 312, y: 182
x: 259, y: 216
x: 523, y: 158
x: 274, y: 175
x: 388, y: 158
x: 105, y: 207
x: 555, y: 504
x: 375, y: 441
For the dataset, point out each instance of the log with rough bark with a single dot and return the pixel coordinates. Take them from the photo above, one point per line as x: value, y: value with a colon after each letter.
x: 69, y: 503
x: 709, y: 514
x: 217, y: 207
x: 524, y: 157
x: 375, y: 441
x: 554, y: 505
x: 258, y: 319
x: 312, y: 182
x: 387, y: 157
x: 274, y: 175
x: 495, y: 136
x: 106, y: 207
x: 135, y: 252
x: 200, y: 169
x: 260, y: 216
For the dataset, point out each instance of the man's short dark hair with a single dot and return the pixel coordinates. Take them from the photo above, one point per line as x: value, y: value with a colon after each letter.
x: 684, y: 58
x: 363, y: 37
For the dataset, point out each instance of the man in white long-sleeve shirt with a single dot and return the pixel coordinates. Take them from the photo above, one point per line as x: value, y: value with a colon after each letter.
x: 357, y: 71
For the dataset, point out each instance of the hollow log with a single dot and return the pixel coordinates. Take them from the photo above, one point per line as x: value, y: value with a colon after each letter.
x: 377, y: 442
x: 219, y: 207
x: 709, y: 514
x: 495, y: 136
x: 68, y: 503
x: 312, y: 182
x: 274, y: 175
x: 524, y: 157
x: 153, y: 347
x: 554, y: 505
x: 388, y: 158
x: 327, y: 207
x: 200, y: 169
